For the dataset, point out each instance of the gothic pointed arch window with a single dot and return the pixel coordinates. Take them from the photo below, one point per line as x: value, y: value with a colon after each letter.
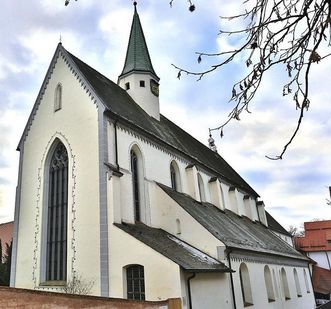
x: 297, y: 283
x: 201, y: 187
x: 175, y: 176
x: 285, y: 286
x: 58, y: 97
x: 245, y: 283
x: 56, y: 222
x: 137, y: 183
x: 268, y: 284
x: 306, y: 281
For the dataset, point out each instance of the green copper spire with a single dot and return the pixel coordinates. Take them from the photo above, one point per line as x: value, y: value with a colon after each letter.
x: 137, y: 55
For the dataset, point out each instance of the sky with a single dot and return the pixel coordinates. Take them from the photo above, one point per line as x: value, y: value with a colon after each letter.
x: 294, y: 189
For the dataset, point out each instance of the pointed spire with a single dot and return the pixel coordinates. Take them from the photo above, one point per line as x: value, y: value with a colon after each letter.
x: 137, y: 55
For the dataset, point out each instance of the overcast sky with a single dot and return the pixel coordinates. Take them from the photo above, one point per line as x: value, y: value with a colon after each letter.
x: 294, y: 190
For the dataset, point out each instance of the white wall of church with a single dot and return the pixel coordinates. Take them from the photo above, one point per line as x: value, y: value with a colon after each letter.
x: 81, y: 141
x: 211, y: 290
x: 259, y: 290
x: 168, y: 214
x: 162, y: 276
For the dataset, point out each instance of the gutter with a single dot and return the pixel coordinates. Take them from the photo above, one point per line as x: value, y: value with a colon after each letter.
x: 189, y: 290
x: 231, y: 280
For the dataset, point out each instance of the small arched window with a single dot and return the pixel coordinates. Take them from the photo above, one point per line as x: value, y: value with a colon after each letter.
x: 268, y: 284
x: 245, y: 285
x: 135, y: 184
x: 201, y: 188
x: 135, y: 282
x: 58, y: 97
x: 306, y: 281
x: 56, y: 226
x: 285, y: 287
x: 297, y: 283
x: 178, y: 227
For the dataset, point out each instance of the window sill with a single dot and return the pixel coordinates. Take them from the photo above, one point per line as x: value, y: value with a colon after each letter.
x: 51, y: 283
x: 247, y: 304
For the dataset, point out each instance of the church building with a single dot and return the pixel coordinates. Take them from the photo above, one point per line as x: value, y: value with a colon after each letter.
x: 111, y: 191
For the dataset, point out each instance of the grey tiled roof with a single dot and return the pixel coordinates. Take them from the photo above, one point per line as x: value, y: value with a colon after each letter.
x: 233, y: 230
x: 183, y: 254
x: 137, y: 55
x: 119, y: 104
x: 275, y: 225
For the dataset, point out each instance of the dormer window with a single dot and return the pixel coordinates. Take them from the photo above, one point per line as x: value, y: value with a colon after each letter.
x: 127, y: 86
x: 142, y: 83
x: 58, y: 97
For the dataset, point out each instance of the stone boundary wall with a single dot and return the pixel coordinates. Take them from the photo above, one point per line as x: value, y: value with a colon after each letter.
x: 31, y: 299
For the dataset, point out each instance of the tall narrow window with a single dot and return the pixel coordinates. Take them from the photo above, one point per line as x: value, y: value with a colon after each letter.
x: 306, y: 281
x: 201, y: 189
x: 135, y: 184
x: 285, y: 287
x: 268, y: 284
x: 175, y: 176
x: 58, y: 97
x: 245, y: 285
x: 297, y: 283
x: 56, y: 248
x: 135, y: 282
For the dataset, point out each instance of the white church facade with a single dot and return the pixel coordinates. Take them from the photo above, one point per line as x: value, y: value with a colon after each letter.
x: 111, y: 190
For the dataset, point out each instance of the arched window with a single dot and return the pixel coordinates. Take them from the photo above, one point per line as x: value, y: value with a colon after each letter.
x: 201, y: 189
x: 135, y: 282
x: 135, y: 184
x: 245, y: 285
x: 306, y: 281
x: 275, y: 282
x: 268, y: 284
x: 297, y: 283
x: 285, y: 287
x: 58, y: 97
x: 56, y: 227
x: 178, y: 227
x: 175, y: 176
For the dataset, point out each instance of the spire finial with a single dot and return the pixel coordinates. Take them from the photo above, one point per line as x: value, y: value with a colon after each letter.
x: 135, y: 4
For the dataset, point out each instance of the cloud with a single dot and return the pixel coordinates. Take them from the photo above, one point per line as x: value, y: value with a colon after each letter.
x: 294, y: 189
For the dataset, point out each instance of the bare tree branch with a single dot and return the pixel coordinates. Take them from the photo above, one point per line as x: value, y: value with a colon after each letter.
x: 278, y: 33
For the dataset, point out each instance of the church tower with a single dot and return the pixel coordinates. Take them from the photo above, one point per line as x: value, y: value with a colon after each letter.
x: 138, y: 77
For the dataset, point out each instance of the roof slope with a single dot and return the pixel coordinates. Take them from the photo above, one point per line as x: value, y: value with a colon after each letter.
x: 137, y: 55
x: 119, y: 103
x: 183, y: 254
x: 275, y: 225
x: 233, y: 230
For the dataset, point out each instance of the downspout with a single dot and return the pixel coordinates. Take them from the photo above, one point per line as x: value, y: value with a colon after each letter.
x: 231, y: 280
x: 116, y: 150
x: 189, y: 290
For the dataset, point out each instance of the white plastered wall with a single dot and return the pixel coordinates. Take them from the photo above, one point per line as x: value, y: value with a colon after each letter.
x: 162, y: 276
x: 81, y: 141
x: 259, y: 292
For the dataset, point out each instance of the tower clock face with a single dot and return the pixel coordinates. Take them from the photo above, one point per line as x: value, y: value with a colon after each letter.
x: 154, y: 87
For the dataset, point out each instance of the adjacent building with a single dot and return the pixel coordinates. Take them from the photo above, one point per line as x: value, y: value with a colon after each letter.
x: 316, y: 244
x: 114, y: 192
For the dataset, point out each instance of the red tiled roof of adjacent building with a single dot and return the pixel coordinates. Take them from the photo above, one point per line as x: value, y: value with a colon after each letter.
x: 321, y: 280
x: 317, y: 237
x: 6, y: 234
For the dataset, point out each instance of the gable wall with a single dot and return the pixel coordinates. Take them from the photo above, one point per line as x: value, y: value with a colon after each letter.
x: 76, y: 125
